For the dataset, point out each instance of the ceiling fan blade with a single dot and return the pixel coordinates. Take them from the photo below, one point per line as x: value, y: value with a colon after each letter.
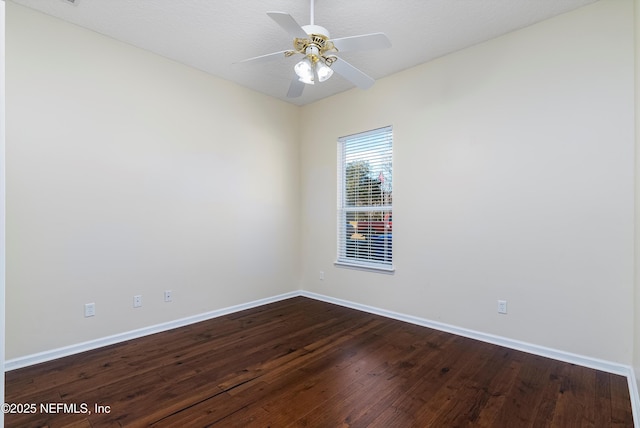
x: 362, y: 42
x: 296, y: 88
x: 264, y: 58
x: 352, y: 74
x: 289, y: 24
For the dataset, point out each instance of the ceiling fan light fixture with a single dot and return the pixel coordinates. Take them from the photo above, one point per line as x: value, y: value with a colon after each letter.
x: 319, y: 49
x: 304, y: 71
x: 324, y: 71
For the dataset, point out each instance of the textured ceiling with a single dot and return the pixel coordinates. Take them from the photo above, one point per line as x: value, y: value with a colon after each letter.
x: 213, y: 35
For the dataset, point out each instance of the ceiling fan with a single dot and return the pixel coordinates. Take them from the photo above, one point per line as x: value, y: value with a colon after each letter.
x: 319, y: 51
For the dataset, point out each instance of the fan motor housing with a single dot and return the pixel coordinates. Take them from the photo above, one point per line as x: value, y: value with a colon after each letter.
x: 316, y: 30
x: 318, y: 40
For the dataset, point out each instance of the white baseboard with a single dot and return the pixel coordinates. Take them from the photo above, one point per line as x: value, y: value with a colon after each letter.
x: 594, y: 363
x: 581, y: 360
x: 53, y: 354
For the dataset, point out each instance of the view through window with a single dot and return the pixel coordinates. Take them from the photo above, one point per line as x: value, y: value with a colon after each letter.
x: 365, y: 199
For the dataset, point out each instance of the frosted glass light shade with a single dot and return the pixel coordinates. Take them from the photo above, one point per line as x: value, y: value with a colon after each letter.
x: 304, y: 71
x: 324, y: 72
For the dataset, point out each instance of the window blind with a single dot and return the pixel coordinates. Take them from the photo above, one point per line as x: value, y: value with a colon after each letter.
x: 365, y: 199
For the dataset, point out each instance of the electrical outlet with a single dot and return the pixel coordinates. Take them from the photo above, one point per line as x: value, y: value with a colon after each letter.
x: 321, y: 275
x: 89, y: 310
x: 502, y: 306
x: 137, y: 301
x: 167, y: 296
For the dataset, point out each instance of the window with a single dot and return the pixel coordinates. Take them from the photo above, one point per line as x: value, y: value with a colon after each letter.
x: 365, y: 199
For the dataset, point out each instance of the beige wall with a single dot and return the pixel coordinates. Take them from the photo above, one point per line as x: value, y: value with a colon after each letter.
x: 513, y: 174
x: 636, y: 355
x: 130, y: 174
x: 2, y: 197
x: 514, y: 166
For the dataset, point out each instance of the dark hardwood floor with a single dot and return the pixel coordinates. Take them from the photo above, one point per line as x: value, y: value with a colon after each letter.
x: 305, y: 363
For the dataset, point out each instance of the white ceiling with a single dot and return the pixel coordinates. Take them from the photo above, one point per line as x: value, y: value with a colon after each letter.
x: 212, y: 35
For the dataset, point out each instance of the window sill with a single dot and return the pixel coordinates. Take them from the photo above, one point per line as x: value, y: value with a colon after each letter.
x: 389, y: 270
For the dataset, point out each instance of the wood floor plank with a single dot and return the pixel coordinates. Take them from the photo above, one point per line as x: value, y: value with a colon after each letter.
x: 621, y: 415
x: 576, y: 401
x: 306, y: 363
x: 426, y: 388
x: 472, y: 390
x: 498, y: 388
x: 526, y: 395
x: 375, y: 384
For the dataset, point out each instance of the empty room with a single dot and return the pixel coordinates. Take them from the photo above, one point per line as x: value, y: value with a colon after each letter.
x: 321, y: 213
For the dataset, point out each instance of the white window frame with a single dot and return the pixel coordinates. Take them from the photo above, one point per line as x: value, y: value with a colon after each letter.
x: 372, y: 251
